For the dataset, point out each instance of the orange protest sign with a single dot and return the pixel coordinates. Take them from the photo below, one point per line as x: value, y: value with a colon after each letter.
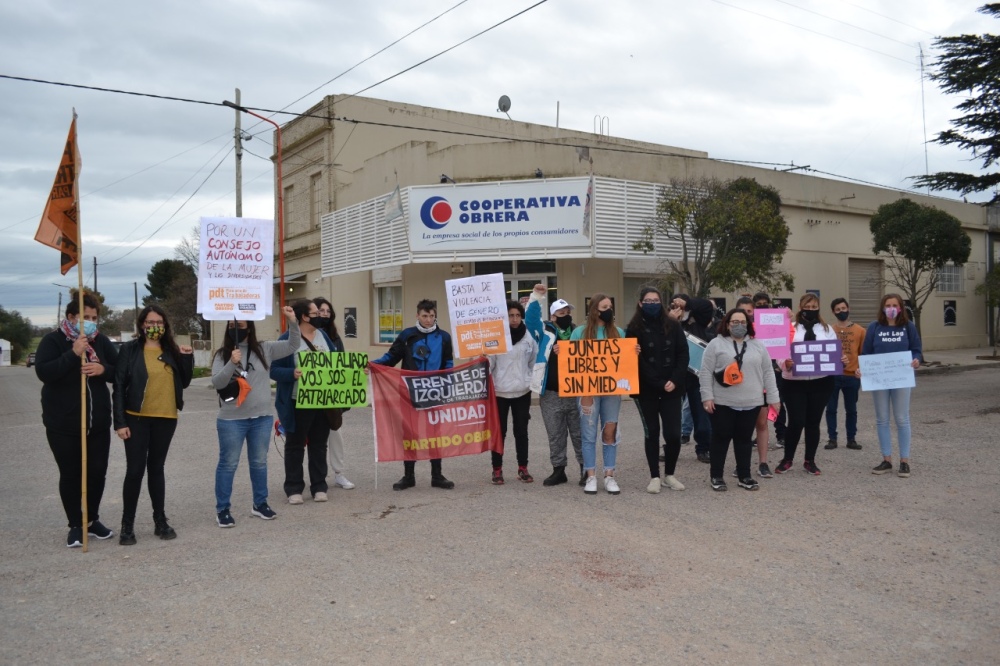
x: 58, y: 228
x: 598, y: 367
x: 483, y: 338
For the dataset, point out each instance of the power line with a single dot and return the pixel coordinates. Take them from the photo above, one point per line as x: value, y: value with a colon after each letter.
x: 850, y: 25
x: 887, y: 17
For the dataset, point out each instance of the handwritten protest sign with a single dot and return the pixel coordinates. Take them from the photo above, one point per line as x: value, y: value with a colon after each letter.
x: 598, y: 367
x: 235, y: 268
x: 887, y: 371
x: 817, y: 358
x: 477, y: 307
x: 770, y: 327
x: 332, y: 379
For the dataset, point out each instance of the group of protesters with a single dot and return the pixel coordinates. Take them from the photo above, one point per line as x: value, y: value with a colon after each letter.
x: 728, y: 401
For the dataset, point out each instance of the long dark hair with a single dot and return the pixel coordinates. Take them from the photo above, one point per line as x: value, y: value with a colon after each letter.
x: 723, y: 328
x: 229, y: 344
x: 637, y: 318
x: 594, y: 321
x: 330, y: 330
x: 167, y: 339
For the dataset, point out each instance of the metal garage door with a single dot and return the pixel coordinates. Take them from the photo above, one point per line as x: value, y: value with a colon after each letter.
x: 864, y: 284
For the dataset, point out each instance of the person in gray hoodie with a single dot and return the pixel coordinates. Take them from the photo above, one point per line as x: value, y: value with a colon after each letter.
x: 251, y: 419
x: 511, y: 374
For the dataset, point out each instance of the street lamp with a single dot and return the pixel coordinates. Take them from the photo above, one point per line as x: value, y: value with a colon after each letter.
x: 281, y: 209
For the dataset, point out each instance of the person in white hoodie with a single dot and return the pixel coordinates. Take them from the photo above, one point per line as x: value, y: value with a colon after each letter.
x: 805, y: 397
x: 511, y: 374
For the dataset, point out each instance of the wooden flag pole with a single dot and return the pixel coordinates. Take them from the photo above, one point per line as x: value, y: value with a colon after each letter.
x: 83, y: 356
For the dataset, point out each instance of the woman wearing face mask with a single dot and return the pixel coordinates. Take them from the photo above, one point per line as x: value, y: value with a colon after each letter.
x: 150, y: 377
x: 663, y: 362
x: 251, y: 422
x: 734, y: 407
x: 325, y: 322
x: 805, y: 397
x: 893, y: 332
x: 511, y: 374
x: 602, y: 410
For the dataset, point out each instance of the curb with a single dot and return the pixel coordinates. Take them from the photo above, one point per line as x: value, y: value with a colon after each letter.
x: 945, y: 369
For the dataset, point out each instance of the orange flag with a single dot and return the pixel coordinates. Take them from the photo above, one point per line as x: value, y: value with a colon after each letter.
x: 58, y: 228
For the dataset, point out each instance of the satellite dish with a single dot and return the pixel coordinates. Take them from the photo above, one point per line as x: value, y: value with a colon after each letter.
x: 504, y: 104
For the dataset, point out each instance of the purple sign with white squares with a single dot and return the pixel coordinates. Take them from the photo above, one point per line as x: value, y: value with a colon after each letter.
x: 817, y: 358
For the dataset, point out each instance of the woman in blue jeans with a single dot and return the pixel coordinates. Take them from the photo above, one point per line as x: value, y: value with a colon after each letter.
x: 601, y: 410
x: 892, y: 332
x: 250, y: 421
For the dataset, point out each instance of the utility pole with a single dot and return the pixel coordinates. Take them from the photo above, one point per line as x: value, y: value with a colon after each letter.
x: 59, y: 310
x: 135, y: 288
x: 238, y: 141
x: 923, y: 112
x: 95, y: 275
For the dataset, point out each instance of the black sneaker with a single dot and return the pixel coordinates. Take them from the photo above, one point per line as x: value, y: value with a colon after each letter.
x: 705, y: 457
x: 99, y: 531
x: 75, y: 537
x: 685, y: 439
x: 749, y: 483
x: 810, y: 467
x: 163, y: 529
x: 853, y: 444
x: 904, y: 470
x: 225, y: 519
x: 440, y: 481
x: 718, y: 484
x: 882, y: 468
x: 764, y: 471
x: 830, y: 444
x: 264, y: 511
x: 408, y: 481
x: 735, y: 475
x: 783, y: 466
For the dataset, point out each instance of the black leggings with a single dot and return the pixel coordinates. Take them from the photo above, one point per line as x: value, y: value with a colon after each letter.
x: 806, y: 400
x: 146, y: 452
x: 656, y: 406
x: 521, y: 408
x: 734, y: 425
x: 66, y: 450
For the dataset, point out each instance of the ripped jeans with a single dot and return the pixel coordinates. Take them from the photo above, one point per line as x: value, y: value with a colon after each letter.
x: 604, y: 410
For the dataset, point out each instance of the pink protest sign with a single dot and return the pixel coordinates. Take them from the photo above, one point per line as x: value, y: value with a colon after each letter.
x: 771, y: 328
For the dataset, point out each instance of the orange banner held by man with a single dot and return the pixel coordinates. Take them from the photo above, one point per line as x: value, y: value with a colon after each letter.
x: 598, y: 367
x: 58, y: 228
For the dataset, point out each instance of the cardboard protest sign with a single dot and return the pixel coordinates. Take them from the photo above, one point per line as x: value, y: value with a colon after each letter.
x: 887, y: 371
x: 817, y: 358
x: 770, y: 327
x: 439, y: 414
x: 598, y: 367
x: 332, y: 379
x: 477, y: 308
x: 235, y: 268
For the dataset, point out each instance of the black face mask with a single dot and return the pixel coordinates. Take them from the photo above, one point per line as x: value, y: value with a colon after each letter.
x: 241, y: 334
x: 810, y: 316
x: 843, y: 316
x: 607, y: 316
x: 762, y: 306
x: 564, y: 321
x: 319, y: 322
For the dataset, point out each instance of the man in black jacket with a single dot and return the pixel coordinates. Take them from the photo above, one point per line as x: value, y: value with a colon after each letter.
x: 61, y: 357
x: 695, y: 315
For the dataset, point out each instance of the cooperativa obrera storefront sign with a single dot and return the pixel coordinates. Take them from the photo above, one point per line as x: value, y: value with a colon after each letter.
x: 504, y: 215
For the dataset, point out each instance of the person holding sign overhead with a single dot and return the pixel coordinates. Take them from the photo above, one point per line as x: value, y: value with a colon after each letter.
x: 248, y: 420
x: 663, y: 370
x: 302, y: 424
x: 327, y: 315
x: 421, y: 347
x: 600, y: 410
x: 805, y: 396
x: 735, y: 379
x: 512, y: 383
x: 892, y: 331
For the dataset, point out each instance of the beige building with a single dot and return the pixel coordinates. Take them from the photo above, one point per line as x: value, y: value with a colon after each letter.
x: 344, y: 158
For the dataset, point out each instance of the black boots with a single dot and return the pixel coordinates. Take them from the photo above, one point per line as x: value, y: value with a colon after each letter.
x: 438, y: 481
x: 408, y: 481
x: 162, y: 529
x: 127, y: 536
x: 583, y: 477
x: 558, y: 476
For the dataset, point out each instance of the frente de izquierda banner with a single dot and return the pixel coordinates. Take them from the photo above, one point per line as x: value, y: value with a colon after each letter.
x: 439, y: 414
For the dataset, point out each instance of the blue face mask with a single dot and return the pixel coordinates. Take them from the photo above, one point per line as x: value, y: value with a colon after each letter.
x: 652, y: 310
x: 89, y: 327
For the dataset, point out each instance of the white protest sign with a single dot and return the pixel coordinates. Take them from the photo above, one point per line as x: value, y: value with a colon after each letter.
x: 477, y: 308
x: 235, y: 268
x: 887, y: 371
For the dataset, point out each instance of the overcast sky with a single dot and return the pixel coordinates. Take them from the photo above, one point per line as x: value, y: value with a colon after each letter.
x: 832, y: 84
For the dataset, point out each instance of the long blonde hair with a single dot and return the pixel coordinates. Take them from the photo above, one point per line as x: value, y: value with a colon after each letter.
x: 809, y: 298
x: 594, y: 320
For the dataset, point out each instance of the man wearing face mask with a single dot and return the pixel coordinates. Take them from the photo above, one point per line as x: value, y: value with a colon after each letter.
x: 58, y: 364
x: 852, y: 337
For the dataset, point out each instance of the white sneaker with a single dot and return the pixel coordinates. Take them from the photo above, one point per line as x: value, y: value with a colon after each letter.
x: 654, y: 485
x: 343, y: 482
x: 672, y: 483
x: 320, y: 497
x: 295, y: 499
x: 611, y: 485
x: 591, y: 486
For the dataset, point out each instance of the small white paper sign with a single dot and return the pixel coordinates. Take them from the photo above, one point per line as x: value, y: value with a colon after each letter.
x: 887, y: 371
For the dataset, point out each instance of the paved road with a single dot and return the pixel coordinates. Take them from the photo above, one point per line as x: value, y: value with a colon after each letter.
x: 842, y: 568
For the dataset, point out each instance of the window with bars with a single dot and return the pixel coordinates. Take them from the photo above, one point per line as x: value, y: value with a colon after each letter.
x: 951, y: 280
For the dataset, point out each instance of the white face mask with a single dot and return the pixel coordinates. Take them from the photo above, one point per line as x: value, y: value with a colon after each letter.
x: 684, y: 317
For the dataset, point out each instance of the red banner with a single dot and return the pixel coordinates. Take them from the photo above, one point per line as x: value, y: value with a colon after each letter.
x: 425, y: 415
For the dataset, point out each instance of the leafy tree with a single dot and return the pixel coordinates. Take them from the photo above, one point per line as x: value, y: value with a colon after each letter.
x: 731, y: 235
x: 118, y: 321
x: 917, y: 241
x: 18, y: 330
x: 970, y: 65
x: 161, y: 278
x: 990, y: 288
